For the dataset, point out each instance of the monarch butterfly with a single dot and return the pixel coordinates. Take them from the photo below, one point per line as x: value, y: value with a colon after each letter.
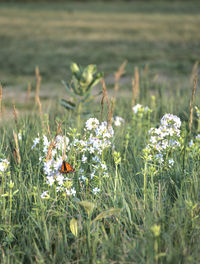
x: 66, y: 168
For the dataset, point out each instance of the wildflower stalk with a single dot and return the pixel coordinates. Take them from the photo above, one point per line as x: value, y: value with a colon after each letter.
x: 11, y: 185
x: 4, y: 201
x: 117, y: 160
x: 116, y: 181
x: 152, y: 188
x: 145, y: 183
x: 126, y: 143
x: 191, y: 103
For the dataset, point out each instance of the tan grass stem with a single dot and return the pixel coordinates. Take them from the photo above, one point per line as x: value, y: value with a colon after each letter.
x: 110, y: 111
x: 104, y: 96
x: 194, y: 71
x: 52, y: 144
x: 40, y: 110
x: 135, y: 85
x: 118, y: 75
x: 192, y: 103
x: 18, y: 157
x: 38, y: 82
x: 15, y: 115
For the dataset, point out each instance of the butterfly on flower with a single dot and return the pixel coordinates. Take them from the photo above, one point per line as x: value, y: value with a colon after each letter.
x: 66, y: 168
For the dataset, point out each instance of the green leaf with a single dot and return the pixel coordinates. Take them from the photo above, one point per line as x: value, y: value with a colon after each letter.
x: 74, y: 67
x: 95, y: 80
x: 88, y: 206
x: 107, y: 213
x: 69, y: 91
x: 67, y: 104
x: 74, y: 227
x: 88, y: 73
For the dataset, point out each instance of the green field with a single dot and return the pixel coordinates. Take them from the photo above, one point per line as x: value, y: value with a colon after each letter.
x: 130, y: 192
x: 163, y: 34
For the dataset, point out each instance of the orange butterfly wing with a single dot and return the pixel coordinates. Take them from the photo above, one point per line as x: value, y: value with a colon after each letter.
x: 66, y: 168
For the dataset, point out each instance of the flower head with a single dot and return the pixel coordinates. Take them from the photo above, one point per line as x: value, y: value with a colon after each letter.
x: 91, y: 123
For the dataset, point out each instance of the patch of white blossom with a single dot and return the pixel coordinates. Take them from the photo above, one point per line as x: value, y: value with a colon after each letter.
x: 4, y: 163
x: 164, y: 140
x: 87, y: 150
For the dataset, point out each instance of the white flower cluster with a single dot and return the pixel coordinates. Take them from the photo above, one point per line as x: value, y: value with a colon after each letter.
x: 87, y: 150
x: 4, y: 163
x: 91, y: 146
x: 51, y: 167
x: 164, y: 139
x: 140, y: 109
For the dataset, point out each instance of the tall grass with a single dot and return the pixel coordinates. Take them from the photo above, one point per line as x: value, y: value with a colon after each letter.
x: 117, y: 225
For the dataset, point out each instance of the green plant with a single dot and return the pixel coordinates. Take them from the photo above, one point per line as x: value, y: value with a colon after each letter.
x: 80, y: 88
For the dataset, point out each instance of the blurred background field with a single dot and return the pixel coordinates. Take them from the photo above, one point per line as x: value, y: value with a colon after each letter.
x: 163, y: 34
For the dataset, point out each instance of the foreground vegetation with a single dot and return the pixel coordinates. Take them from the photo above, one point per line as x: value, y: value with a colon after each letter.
x: 134, y: 194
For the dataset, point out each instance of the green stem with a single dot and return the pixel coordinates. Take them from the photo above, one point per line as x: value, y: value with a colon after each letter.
x: 116, y: 181
x: 145, y: 183
x: 4, y: 200
x: 156, y: 250
x: 152, y: 190
x: 10, y: 211
x: 79, y: 114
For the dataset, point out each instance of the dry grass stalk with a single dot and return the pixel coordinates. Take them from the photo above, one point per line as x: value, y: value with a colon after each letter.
x: 118, y: 75
x: 194, y: 71
x: 192, y: 102
x: 40, y: 109
x: 64, y: 151
x: 18, y: 158
x: 38, y: 82
x: 134, y: 96
x: 1, y: 96
x: 28, y: 92
x: 104, y: 96
x: 15, y: 115
x: 52, y: 144
x: 110, y: 112
x: 135, y: 85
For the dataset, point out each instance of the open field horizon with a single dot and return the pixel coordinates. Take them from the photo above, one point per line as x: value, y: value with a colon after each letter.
x: 164, y: 35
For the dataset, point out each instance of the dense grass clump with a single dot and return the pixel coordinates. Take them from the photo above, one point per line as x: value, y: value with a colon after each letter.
x: 134, y: 196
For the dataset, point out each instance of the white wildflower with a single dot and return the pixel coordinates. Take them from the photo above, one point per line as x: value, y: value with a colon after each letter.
x: 118, y: 121
x: 191, y: 143
x: 84, y: 159
x: 136, y: 108
x: 171, y: 162
x: 91, y: 123
x: 198, y: 136
x: 83, y: 178
x: 50, y: 180
x: 35, y: 142
x: 96, y: 190
x: 4, y: 163
x: 19, y: 135
x: 45, y: 195
x: 60, y: 179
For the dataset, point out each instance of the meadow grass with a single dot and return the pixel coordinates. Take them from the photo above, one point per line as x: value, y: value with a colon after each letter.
x: 145, y: 212
x: 135, y: 208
